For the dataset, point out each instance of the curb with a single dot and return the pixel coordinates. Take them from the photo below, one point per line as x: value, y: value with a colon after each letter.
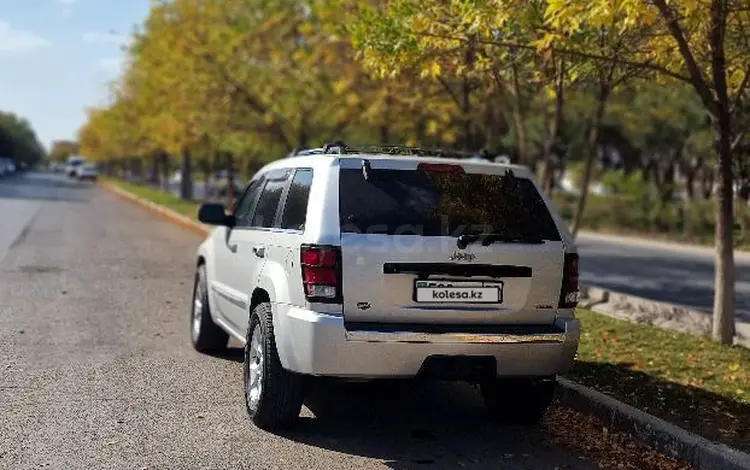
x: 666, y: 438
x: 661, y: 314
x: 163, y: 212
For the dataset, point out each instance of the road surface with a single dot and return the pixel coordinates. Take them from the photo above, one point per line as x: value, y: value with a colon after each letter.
x: 660, y: 271
x: 96, y: 369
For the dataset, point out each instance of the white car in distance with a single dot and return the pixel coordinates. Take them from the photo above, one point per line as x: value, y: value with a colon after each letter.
x: 373, y: 263
x: 86, y: 172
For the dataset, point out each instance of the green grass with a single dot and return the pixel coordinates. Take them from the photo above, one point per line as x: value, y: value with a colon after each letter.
x: 687, y: 380
x: 157, y: 196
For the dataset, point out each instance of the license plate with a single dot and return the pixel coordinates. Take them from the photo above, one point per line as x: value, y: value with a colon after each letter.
x: 458, y: 292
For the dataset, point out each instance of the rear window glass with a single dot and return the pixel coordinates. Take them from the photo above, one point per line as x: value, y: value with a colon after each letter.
x: 400, y: 202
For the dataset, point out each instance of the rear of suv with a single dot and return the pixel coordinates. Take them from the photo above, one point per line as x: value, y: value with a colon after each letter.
x: 362, y: 264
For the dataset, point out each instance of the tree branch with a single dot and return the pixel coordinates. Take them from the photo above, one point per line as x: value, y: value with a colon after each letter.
x: 450, y: 91
x: 584, y: 55
x: 741, y: 91
x: 737, y: 139
x: 696, y: 76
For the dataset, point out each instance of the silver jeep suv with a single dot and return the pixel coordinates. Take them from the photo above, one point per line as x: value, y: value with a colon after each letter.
x: 389, y: 263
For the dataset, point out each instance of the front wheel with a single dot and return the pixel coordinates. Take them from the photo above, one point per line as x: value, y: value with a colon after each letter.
x: 518, y: 401
x: 273, y: 395
x: 207, y: 337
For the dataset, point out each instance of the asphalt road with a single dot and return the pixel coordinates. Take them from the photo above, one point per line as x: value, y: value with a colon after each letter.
x: 96, y: 368
x: 659, y: 271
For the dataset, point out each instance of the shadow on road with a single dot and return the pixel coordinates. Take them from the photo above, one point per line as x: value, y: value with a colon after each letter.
x: 232, y: 354
x: 410, y: 424
x: 713, y: 416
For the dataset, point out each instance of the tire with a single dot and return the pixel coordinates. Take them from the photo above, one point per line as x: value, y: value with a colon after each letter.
x: 206, y: 336
x: 518, y: 401
x: 273, y: 395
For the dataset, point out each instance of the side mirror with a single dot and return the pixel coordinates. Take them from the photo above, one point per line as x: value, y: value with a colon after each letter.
x: 214, y: 214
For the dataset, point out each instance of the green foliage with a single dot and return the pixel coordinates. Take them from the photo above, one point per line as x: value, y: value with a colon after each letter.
x: 628, y: 186
x: 684, y: 221
x: 18, y: 140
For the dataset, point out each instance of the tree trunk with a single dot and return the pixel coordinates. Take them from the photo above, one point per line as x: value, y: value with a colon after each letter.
x: 592, y: 148
x: 186, y: 170
x: 689, y: 173
x: 385, y: 127
x: 553, y: 134
x: 723, y: 327
x: 707, y: 183
x: 723, y: 324
x: 519, y: 118
x: 153, y: 177
x: 230, y: 180
x: 468, y: 139
x: 385, y: 134
x: 207, y: 171
x: 249, y: 168
x: 164, y: 160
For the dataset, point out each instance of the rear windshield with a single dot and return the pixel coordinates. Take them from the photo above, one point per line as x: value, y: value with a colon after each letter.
x: 403, y: 202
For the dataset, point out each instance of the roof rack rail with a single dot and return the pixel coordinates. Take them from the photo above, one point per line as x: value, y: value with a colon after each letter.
x: 304, y: 152
x: 340, y: 148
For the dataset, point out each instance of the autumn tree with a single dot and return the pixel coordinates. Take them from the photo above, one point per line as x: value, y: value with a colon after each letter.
x: 62, y: 149
x: 19, y: 141
x: 705, y: 45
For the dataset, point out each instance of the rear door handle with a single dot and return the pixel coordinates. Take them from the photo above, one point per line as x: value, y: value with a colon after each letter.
x: 260, y: 251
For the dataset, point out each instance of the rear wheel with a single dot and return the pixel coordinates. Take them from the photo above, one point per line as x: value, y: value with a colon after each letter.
x: 273, y: 395
x: 518, y: 401
x: 206, y: 335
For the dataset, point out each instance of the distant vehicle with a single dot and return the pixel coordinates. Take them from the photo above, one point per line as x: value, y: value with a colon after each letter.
x: 176, y: 177
x: 86, y: 172
x: 57, y: 167
x: 7, y: 166
x: 73, y: 164
x: 362, y: 264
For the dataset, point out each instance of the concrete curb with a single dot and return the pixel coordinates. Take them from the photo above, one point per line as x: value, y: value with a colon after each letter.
x: 161, y: 211
x: 657, y: 433
x: 651, y: 312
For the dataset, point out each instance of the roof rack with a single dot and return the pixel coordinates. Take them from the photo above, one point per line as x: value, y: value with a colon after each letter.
x: 341, y: 148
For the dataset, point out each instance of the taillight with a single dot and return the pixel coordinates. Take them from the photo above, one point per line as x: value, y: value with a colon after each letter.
x: 569, y: 291
x: 321, y: 273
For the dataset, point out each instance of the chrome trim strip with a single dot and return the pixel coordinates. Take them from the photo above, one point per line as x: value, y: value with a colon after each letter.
x: 463, y: 338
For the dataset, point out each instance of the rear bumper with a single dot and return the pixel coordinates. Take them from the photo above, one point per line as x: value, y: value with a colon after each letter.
x: 318, y: 344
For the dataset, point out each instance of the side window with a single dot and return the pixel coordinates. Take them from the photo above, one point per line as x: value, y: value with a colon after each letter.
x: 243, y: 209
x: 295, y: 209
x: 265, y: 213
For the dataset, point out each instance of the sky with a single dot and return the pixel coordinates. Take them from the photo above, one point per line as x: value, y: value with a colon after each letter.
x: 58, y: 56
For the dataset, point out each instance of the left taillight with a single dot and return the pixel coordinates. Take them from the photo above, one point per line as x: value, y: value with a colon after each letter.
x: 569, y: 291
x: 321, y: 273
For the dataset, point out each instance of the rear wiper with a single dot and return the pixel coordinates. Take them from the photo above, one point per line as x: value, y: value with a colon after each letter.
x: 488, y: 239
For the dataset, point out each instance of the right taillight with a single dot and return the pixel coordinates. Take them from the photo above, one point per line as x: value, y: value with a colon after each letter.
x: 321, y: 273
x: 569, y: 291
